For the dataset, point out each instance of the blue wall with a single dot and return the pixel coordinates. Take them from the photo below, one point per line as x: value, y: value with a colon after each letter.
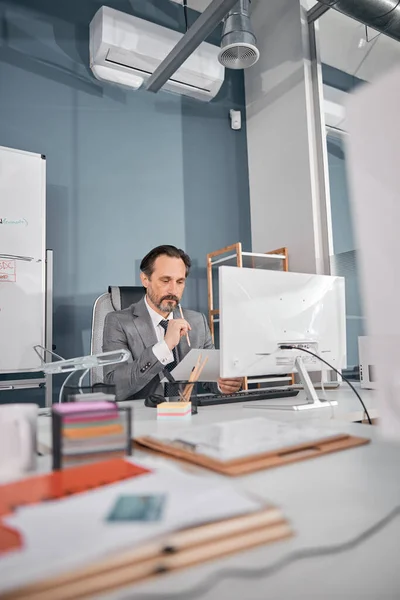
x: 342, y: 226
x: 339, y: 79
x: 125, y: 170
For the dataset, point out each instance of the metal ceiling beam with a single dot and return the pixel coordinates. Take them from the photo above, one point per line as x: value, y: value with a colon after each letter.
x: 317, y: 11
x: 201, y: 28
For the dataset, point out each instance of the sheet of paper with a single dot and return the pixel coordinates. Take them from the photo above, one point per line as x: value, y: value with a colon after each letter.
x: 61, y: 535
x: 210, y: 372
x: 244, y: 437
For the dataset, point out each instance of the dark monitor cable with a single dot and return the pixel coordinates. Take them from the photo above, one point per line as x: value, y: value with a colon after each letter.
x: 296, y: 555
x: 289, y: 347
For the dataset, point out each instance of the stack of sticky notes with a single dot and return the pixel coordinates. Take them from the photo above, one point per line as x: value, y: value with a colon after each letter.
x: 168, y: 410
x: 84, y: 431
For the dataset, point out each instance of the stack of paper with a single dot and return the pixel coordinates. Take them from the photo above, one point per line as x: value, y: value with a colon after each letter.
x: 248, y: 445
x: 62, y: 535
x: 245, y: 437
x: 168, y: 410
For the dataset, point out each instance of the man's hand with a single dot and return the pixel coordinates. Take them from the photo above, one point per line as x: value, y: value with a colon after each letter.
x: 230, y: 386
x: 176, y: 329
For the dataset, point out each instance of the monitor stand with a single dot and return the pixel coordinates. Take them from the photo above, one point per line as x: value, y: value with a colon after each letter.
x: 311, y: 395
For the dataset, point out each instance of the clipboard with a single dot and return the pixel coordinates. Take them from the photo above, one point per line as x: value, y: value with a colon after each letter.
x: 184, y: 368
x: 256, y: 462
x: 171, y: 553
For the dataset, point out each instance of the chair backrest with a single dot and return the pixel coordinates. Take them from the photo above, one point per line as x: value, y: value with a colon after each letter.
x: 117, y: 298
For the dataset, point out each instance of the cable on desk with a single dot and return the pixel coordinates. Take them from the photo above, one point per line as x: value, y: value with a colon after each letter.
x: 185, y: 13
x: 282, y: 563
x: 289, y: 347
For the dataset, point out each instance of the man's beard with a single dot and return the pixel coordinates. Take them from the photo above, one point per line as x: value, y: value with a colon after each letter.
x: 165, y: 304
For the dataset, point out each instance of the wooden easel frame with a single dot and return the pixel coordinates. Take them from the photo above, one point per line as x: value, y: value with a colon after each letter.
x: 236, y: 249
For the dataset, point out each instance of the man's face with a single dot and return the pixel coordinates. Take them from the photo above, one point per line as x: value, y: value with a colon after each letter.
x: 166, y: 284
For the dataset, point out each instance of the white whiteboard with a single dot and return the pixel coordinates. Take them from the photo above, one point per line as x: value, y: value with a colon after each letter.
x: 22, y: 258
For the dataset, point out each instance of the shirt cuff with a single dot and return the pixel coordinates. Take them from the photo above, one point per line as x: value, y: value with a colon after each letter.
x: 163, y: 353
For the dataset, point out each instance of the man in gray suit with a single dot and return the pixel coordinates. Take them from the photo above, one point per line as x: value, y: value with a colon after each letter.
x: 153, y: 330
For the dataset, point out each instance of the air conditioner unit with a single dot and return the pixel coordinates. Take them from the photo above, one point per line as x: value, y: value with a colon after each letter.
x: 126, y: 50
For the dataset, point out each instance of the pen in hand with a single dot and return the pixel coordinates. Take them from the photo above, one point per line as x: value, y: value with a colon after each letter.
x: 182, y: 317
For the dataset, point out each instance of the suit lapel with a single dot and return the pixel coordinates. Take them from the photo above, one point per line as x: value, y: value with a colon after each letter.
x: 144, y: 324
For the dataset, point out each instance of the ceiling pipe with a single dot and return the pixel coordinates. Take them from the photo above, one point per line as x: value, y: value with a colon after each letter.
x: 238, y: 41
x: 382, y: 15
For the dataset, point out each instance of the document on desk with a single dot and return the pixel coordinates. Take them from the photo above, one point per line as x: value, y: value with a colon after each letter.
x: 211, y: 369
x: 62, y: 535
x: 242, y: 438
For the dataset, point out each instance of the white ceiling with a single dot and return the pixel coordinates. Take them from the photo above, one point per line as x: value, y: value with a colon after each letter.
x: 343, y: 45
x: 340, y: 37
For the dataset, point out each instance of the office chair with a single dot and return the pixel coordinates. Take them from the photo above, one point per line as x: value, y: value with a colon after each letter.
x: 117, y: 298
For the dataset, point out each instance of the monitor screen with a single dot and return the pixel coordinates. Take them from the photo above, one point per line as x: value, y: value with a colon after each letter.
x: 261, y: 309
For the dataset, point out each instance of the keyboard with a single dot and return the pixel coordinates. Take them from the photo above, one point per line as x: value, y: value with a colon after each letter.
x: 250, y: 396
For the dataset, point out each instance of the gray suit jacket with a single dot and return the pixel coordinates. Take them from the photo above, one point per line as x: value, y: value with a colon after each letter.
x: 133, y: 330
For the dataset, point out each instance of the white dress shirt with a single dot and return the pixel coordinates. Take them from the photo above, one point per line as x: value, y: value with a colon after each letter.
x: 161, y: 350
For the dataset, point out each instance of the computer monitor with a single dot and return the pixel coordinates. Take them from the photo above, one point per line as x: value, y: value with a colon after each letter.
x: 261, y: 309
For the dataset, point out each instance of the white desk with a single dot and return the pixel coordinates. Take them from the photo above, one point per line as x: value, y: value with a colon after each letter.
x: 348, y: 409
x: 328, y: 500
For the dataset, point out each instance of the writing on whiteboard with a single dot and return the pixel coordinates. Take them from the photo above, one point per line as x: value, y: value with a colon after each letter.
x: 8, y: 271
x: 6, y: 221
x: 16, y: 257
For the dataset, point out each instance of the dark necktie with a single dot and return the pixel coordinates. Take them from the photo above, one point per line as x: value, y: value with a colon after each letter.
x: 170, y: 389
